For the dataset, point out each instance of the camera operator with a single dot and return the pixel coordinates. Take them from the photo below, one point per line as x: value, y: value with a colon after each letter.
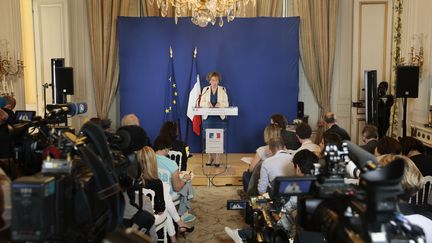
x: 411, y: 183
x: 303, y: 161
x: 7, y: 118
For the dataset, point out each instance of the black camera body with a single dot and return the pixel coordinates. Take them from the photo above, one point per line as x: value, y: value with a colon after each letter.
x: 364, y: 213
x: 341, y: 212
x: 78, y: 195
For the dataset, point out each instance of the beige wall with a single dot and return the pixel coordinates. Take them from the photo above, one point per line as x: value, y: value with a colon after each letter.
x: 416, y: 20
x: 10, y: 30
x: 30, y: 89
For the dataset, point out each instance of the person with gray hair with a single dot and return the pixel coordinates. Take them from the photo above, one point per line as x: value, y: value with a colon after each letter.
x: 130, y: 119
x: 133, y: 120
x: 330, y: 120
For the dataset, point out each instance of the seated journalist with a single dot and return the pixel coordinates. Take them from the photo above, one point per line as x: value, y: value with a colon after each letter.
x: 289, y: 137
x: 170, y: 129
x: 251, y: 176
x: 168, y: 170
x: 303, y: 161
x: 280, y: 164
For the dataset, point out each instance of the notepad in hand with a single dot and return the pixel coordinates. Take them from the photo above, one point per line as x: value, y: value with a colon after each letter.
x: 247, y: 160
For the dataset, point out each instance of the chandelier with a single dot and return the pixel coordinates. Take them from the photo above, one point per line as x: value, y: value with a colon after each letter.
x: 203, y: 12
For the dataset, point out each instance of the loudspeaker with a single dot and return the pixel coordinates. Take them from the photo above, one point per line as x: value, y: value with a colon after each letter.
x: 57, y: 97
x: 300, y: 109
x: 64, y: 79
x: 407, y: 81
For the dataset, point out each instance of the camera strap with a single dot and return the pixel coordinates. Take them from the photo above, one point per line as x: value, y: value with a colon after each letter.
x: 131, y: 194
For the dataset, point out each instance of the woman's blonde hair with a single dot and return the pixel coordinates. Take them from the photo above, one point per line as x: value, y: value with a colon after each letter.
x: 271, y: 131
x: 148, y: 164
x: 412, y: 180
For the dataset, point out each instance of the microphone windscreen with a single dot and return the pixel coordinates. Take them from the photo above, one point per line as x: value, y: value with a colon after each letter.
x: 77, y: 108
x: 3, y: 101
x: 360, y: 156
x: 133, y: 138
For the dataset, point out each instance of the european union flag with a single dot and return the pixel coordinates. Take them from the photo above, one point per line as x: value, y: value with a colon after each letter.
x: 171, y: 101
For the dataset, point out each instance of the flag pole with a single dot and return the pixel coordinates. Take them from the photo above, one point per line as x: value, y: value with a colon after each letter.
x: 195, y: 52
x: 178, y: 119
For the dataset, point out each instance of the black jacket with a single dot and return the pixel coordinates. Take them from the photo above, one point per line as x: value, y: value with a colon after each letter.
x: 339, y: 131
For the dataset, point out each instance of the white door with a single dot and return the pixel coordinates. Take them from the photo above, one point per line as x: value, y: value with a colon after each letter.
x: 51, y: 29
x: 372, y: 43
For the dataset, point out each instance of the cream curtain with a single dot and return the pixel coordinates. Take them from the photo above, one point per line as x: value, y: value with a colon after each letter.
x: 262, y: 8
x: 318, y: 23
x: 102, y: 16
x: 150, y: 8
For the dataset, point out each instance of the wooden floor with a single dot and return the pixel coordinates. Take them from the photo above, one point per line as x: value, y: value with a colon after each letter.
x: 229, y: 173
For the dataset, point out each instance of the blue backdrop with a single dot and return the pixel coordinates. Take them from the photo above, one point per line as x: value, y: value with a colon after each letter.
x: 257, y: 57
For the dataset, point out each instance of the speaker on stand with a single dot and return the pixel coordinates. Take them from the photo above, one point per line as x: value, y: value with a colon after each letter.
x: 57, y: 98
x: 407, y: 82
x: 62, y: 84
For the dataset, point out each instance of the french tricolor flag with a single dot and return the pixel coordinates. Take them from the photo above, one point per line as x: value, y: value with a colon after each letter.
x: 215, y: 135
x: 194, y: 97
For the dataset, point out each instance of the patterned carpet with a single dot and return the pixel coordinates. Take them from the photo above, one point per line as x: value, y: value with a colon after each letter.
x: 209, y: 206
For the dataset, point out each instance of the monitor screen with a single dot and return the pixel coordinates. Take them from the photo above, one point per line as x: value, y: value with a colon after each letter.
x: 288, y: 186
x: 24, y: 116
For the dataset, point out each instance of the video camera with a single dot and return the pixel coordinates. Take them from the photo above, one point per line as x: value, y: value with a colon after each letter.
x: 325, y: 203
x: 77, y: 196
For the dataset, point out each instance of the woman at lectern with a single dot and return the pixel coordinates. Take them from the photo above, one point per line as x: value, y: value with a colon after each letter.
x: 214, y: 96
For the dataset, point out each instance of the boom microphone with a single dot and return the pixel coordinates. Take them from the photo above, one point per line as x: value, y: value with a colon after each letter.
x: 71, y: 109
x: 363, y: 159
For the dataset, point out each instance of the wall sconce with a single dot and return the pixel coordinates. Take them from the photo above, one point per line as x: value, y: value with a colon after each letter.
x: 415, y: 58
x: 11, y: 68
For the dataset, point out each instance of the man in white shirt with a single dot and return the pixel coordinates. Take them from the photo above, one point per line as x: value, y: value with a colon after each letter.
x: 280, y: 164
x: 304, y: 133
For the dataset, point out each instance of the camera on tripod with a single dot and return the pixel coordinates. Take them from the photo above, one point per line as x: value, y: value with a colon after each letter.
x: 78, y: 194
x: 339, y: 212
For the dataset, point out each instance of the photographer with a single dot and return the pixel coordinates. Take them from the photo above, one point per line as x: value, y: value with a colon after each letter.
x: 303, y: 161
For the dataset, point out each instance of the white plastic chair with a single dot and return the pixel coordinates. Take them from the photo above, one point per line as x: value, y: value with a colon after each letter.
x: 177, y: 157
x: 165, y: 176
x: 160, y: 219
x: 423, y: 196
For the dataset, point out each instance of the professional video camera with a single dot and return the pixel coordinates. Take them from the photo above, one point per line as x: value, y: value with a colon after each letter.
x: 325, y: 203
x: 364, y: 213
x: 78, y: 194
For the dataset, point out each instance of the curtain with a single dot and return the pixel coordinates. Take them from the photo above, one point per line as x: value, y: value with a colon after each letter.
x: 265, y: 8
x: 318, y: 23
x: 102, y: 16
x: 150, y: 8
